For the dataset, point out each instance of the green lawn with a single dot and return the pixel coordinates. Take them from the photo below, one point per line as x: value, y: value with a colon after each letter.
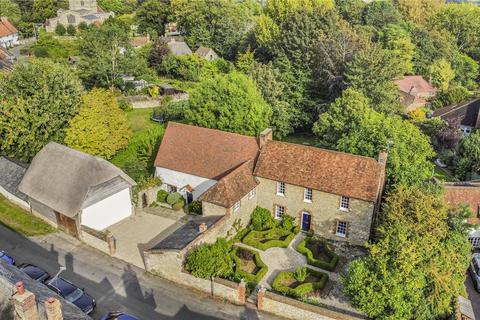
x: 306, y: 139
x: 21, y: 221
x: 139, y: 119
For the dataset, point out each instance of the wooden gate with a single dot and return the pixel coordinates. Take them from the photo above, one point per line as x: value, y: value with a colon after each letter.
x: 67, y: 224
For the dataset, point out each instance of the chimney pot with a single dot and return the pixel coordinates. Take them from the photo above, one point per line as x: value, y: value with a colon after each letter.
x: 20, y: 287
x: 202, y: 227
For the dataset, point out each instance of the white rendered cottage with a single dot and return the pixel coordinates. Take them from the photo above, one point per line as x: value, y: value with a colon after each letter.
x: 8, y: 34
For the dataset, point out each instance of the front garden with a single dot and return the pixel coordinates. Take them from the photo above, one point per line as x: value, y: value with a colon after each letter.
x: 318, y: 252
x: 301, y: 284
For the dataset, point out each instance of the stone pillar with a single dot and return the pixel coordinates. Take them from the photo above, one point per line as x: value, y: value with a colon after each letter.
x: 112, y: 243
x: 242, y: 289
x: 53, y: 307
x: 260, y: 295
x: 24, y: 304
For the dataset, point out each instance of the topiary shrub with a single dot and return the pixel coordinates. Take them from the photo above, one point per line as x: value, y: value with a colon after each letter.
x: 326, y: 265
x: 262, y: 219
x: 304, y: 288
x: 288, y: 222
x: 173, y: 198
x: 300, y: 274
x: 179, y: 205
x: 259, y: 239
x: 195, y: 207
x: 162, y: 196
x: 209, y: 260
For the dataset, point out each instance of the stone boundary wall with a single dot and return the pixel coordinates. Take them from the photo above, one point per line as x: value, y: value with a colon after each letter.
x: 96, y: 239
x: 13, y: 198
x: 294, y: 309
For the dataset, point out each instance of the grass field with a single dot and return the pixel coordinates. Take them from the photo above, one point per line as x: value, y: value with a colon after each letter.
x: 139, y: 119
x: 19, y: 220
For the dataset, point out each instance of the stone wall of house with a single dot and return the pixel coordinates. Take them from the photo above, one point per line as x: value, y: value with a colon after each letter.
x: 294, y: 309
x: 324, y: 210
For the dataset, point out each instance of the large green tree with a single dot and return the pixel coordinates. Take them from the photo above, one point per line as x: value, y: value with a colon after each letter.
x: 10, y: 10
x: 152, y: 16
x: 417, y: 267
x: 37, y: 100
x: 100, y: 128
x: 351, y: 125
x: 229, y: 102
x: 42, y: 10
x: 468, y: 157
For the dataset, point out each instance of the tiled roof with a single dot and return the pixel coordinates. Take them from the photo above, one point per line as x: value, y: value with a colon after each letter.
x: 6, y: 28
x: 416, y: 82
x: 203, y: 152
x: 139, y: 41
x: 466, y: 113
x: 328, y: 171
x: 203, y: 51
x: 232, y: 187
x: 179, y: 48
x: 464, y: 193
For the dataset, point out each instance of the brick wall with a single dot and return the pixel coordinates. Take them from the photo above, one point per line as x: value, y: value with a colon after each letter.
x: 324, y: 210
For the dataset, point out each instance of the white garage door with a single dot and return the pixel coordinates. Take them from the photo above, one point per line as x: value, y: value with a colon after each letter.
x: 108, y: 211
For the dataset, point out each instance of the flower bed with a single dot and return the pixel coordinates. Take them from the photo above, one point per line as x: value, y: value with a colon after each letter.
x: 263, y: 240
x: 318, y: 253
x: 248, y: 266
x: 287, y: 284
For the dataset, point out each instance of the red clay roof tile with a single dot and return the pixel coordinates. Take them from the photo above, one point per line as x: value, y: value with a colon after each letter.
x: 6, y: 28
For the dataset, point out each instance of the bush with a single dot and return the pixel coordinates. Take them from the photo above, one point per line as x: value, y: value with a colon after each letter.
x: 178, y: 205
x: 252, y: 237
x: 125, y: 105
x: 241, y: 234
x: 209, y: 260
x: 288, y: 222
x: 251, y: 279
x: 300, y: 274
x: 71, y: 31
x: 195, y: 207
x: 303, y: 289
x: 60, y: 29
x: 173, y: 198
x: 162, y: 196
x: 262, y: 219
x: 326, y: 265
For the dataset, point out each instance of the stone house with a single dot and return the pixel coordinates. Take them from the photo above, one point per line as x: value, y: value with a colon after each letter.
x: 72, y: 189
x: 415, y: 92
x: 332, y: 193
x: 466, y: 115
x: 206, y: 53
x: 178, y: 48
x: 8, y: 33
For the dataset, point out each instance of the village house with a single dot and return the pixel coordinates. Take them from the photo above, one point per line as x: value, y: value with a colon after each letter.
x: 72, y: 189
x: 138, y: 42
x: 415, y: 92
x: 466, y: 193
x: 178, y: 48
x: 8, y: 34
x: 332, y: 193
x: 207, y: 53
x: 465, y: 115
x: 6, y: 60
x: 86, y: 11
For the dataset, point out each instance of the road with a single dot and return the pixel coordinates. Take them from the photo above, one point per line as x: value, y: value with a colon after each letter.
x: 117, y: 285
x: 474, y: 297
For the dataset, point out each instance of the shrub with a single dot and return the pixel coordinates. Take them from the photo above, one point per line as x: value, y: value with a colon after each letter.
x: 262, y: 219
x: 178, y: 205
x: 300, y: 274
x: 303, y: 289
x: 60, y: 29
x: 173, y: 198
x: 251, y: 279
x: 71, y: 31
x: 241, y: 234
x: 125, y: 105
x: 288, y: 222
x: 326, y: 265
x: 252, y: 237
x: 195, y: 207
x: 162, y: 196
x: 209, y: 260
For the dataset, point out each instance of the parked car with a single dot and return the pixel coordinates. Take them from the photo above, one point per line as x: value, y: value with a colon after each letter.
x: 475, y: 271
x: 72, y: 293
x: 7, y: 258
x: 115, y: 315
x: 34, y: 272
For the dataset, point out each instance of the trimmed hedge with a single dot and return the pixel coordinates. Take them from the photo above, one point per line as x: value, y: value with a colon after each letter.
x: 162, y: 196
x: 250, y: 240
x: 326, y: 265
x: 173, y: 198
x: 301, y: 290
x: 253, y: 279
x: 241, y: 234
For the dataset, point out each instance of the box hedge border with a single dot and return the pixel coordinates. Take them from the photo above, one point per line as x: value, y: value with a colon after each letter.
x: 326, y: 265
x: 269, y: 244
x: 304, y: 288
x: 248, y: 277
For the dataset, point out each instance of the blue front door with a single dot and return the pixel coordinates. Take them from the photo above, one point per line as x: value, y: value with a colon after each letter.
x: 306, y: 218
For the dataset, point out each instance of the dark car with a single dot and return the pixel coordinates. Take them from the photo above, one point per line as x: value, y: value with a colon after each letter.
x: 115, y: 315
x: 7, y: 258
x: 73, y: 294
x: 35, y: 272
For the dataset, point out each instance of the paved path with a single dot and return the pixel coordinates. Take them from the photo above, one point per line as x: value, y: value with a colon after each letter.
x: 284, y: 259
x: 474, y: 296
x: 117, y: 285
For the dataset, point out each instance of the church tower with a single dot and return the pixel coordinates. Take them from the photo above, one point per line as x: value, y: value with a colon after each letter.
x: 83, y: 4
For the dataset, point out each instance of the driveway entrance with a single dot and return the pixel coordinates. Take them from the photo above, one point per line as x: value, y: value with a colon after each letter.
x: 134, y: 234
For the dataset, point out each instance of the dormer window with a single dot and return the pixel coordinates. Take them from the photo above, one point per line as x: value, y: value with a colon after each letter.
x: 345, y: 203
x: 281, y: 189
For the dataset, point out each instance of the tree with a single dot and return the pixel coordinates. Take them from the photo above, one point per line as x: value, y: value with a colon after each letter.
x: 262, y: 219
x: 381, y: 13
x: 466, y: 71
x: 417, y: 267
x: 209, y: 260
x: 398, y: 41
x: 352, y: 126
x: 10, y: 10
x: 100, y: 128
x: 449, y: 133
x: 152, y: 17
x: 60, y: 29
x: 71, y: 31
x: 351, y: 10
x: 442, y: 74
x: 37, y: 101
x: 418, y: 11
x: 468, y: 157
x: 43, y: 10
x: 159, y: 52
x: 228, y: 102
x: 454, y: 95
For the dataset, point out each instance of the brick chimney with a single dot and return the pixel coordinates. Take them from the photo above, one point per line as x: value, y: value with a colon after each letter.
x: 202, y: 227
x: 53, y: 307
x: 24, y: 304
x: 264, y: 137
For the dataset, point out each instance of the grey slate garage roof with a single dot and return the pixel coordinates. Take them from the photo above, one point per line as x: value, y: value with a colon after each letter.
x: 63, y: 179
x: 11, y: 173
x: 185, y: 234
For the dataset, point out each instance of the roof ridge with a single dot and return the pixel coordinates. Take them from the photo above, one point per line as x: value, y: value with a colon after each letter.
x: 210, y: 129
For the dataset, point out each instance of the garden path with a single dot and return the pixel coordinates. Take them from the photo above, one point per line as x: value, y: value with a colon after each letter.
x: 284, y: 259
